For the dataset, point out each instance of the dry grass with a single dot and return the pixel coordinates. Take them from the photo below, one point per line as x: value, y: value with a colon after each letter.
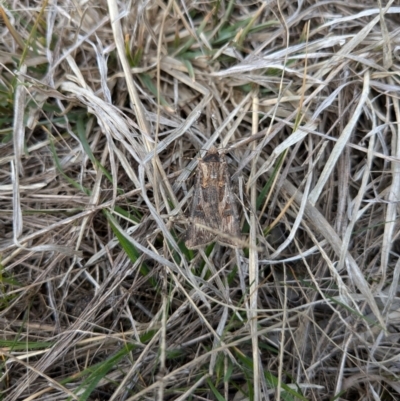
x: 106, y: 109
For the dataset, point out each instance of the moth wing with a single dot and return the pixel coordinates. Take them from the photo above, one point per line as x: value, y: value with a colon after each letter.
x: 230, y: 229
x: 196, y: 236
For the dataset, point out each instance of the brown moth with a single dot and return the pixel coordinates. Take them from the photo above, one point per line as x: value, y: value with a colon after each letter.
x: 214, y: 215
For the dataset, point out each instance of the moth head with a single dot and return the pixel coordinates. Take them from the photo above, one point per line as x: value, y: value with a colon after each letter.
x: 212, y: 156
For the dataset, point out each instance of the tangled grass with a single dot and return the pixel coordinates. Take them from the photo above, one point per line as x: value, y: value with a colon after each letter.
x: 107, y: 108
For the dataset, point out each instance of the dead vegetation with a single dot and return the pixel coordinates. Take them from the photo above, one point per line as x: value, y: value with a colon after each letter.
x: 106, y: 109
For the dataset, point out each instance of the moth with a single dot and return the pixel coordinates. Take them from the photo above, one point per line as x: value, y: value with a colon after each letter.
x: 214, y: 215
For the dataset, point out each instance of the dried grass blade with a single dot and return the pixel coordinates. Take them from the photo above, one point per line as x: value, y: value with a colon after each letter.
x: 340, y: 144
